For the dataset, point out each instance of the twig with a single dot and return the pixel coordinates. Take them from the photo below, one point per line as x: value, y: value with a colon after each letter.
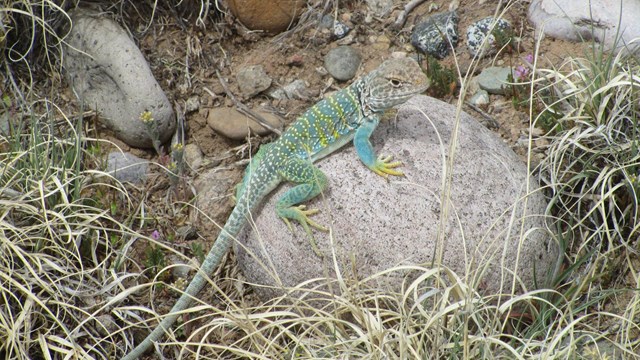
x: 244, y: 109
x: 403, y: 14
x: 492, y: 122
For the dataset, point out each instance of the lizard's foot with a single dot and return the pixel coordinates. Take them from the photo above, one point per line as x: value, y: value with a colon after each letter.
x: 384, y: 166
x: 301, y: 214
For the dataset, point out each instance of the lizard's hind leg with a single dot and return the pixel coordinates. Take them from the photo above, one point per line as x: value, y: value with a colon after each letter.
x: 311, y: 182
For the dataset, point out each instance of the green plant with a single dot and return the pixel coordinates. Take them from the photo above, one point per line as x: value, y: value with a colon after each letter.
x: 444, y: 80
x: 198, y: 250
x: 154, y: 258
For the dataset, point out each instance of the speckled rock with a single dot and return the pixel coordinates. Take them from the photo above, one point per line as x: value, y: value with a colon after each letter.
x: 437, y: 34
x: 338, y: 29
x: 342, y: 62
x: 109, y: 74
x: 578, y: 20
x: 269, y: 15
x: 235, y: 125
x: 485, y: 28
x: 377, y: 224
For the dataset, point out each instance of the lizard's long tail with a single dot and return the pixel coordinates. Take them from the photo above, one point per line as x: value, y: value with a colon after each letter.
x: 233, y: 226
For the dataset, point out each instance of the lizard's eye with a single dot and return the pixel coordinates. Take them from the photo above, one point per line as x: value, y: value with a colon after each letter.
x: 395, y: 83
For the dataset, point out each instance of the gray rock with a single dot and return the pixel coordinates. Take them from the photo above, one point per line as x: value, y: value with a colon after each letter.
x: 214, y: 188
x: 480, y: 98
x: 486, y: 28
x: 109, y: 74
x: 253, y: 80
x: 179, y: 270
x: 5, y: 123
x: 235, y: 125
x: 495, y: 80
x: 342, y: 62
x: 578, y: 20
x: 380, y: 7
x: 297, y: 89
x: 437, y: 34
x: 193, y: 156
x: 105, y: 325
x: 126, y: 167
x: 192, y: 104
x: 378, y: 224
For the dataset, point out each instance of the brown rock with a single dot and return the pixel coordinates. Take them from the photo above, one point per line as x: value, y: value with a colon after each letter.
x: 235, y: 125
x: 269, y: 15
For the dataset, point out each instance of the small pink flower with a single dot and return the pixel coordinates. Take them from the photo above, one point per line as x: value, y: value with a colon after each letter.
x: 155, y: 235
x: 521, y: 72
x: 529, y: 58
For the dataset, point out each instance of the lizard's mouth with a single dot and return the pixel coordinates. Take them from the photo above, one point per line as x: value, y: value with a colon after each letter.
x: 379, y: 104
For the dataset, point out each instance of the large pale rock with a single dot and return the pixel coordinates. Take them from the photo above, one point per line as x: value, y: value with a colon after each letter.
x: 378, y: 224
x: 269, y: 15
x: 109, y: 74
x: 581, y: 20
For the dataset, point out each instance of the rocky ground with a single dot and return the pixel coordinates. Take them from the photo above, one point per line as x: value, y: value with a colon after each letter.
x: 299, y: 55
x: 208, y: 74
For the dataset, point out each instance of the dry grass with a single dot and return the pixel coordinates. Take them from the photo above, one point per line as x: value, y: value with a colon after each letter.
x: 66, y: 235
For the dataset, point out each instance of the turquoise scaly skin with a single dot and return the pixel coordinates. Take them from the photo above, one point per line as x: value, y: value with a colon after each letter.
x: 350, y: 114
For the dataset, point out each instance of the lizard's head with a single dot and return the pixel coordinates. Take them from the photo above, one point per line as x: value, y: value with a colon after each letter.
x: 393, y: 83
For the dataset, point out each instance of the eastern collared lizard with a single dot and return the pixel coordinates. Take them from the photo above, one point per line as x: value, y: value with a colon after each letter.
x: 352, y: 113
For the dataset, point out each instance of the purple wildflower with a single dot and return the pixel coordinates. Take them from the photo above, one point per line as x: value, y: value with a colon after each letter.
x: 529, y: 58
x: 521, y: 72
x: 155, y: 235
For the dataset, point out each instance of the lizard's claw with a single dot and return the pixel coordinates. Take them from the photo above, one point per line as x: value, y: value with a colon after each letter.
x: 301, y: 214
x: 384, y: 166
x: 304, y: 217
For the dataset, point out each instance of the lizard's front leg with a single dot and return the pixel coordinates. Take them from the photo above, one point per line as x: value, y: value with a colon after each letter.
x: 381, y: 165
x: 311, y: 182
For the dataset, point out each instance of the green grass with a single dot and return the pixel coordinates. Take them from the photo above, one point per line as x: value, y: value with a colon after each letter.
x: 57, y: 264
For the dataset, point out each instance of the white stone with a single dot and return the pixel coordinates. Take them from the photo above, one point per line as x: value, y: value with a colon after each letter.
x: 378, y: 224
x: 581, y: 20
x: 108, y: 73
x: 480, y: 98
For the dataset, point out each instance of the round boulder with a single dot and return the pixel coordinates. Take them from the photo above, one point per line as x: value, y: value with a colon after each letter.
x: 342, y: 62
x: 269, y: 15
x: 109, y: 74
x: 494, y: 229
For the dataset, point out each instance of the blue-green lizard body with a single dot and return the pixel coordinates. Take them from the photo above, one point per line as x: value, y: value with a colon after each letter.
x: 350, y: 114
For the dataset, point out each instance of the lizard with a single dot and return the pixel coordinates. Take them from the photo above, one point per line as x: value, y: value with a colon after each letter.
x: 351, y: 114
